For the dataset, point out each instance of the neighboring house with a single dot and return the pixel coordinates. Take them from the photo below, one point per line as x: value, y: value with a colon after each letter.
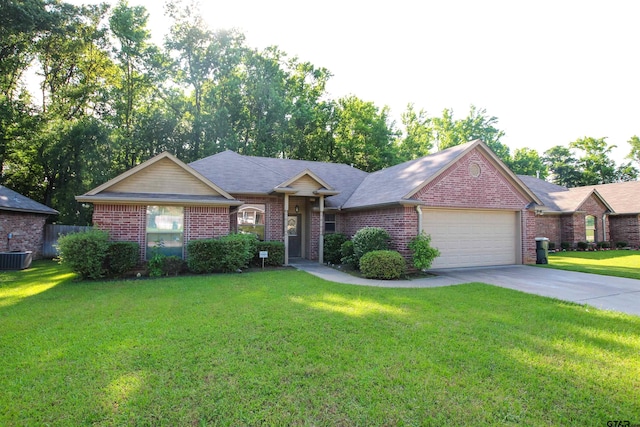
x: 22, y: 222
x: 596, y: 213
x: 476, y: 210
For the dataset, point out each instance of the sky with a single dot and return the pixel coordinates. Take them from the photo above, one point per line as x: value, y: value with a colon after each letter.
x: 550, y: 71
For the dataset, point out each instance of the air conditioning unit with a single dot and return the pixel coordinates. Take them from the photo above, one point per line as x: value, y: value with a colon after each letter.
x: 15, y: 260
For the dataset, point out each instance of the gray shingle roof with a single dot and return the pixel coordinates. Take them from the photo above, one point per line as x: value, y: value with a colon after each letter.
x: 239, y: 174
x: 12, y: 201
x: 622, y: 197
x: 391, y: 185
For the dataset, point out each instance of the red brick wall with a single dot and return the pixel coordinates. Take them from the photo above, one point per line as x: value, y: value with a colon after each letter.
x: 549, y: 226
x: 625, y: 228
x: 456, y: 188
x: 528, y: 218
x: 400, y: 222
x: 125, y: 223
x: 205, y: 222
x: 27, y: 229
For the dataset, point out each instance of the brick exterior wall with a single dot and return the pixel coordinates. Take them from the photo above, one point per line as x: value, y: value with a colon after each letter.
x: 549, y: 226
x: 125, y: 223
x: 625, y: 228
x: 205, y: 222
x: 457, y: 188
x: 400, y: 222
x: 27, y: 229
x: 528, y: 224
x: 128, y: 223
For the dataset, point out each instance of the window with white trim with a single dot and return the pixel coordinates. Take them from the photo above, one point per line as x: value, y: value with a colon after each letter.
x: 590, y: 228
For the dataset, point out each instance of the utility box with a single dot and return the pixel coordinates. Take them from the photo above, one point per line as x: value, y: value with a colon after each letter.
x: 15, y: 260
x: 542, y: 250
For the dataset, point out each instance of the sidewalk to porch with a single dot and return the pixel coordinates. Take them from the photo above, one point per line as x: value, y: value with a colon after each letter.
x: 335, y: 275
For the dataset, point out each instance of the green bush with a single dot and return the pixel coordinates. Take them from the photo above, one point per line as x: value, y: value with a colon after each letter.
x: 122, y: 257
x: 422, y: 252
x: 583, y: 245
x: 386, y: 265
x: 85, y: 252
x: 621, y: 245
x: 172, y: 265
x: 226, y: 254
x: 369, y: 239
x: 565, y: 246
x: 276, y: 254
x: 552, y: 246
x: 348, y: 256
x: 332, y: 247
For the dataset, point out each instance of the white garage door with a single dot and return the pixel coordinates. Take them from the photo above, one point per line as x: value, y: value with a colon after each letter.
x: 472, y: 238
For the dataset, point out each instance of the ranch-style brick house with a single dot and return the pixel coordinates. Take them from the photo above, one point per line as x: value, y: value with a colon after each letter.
x: 477, y: 211
x: 596, y: 213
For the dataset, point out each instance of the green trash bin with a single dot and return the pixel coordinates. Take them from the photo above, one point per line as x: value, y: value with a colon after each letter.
x: 542, y: 250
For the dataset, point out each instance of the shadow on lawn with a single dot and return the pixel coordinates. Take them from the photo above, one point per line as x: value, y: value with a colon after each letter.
x: 40, y: 277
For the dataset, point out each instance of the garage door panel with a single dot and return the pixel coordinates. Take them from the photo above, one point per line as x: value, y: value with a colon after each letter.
x: 472, y: 238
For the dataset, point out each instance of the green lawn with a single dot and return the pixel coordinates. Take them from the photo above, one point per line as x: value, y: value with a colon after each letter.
x: 608, y: 263
x: 286, y: 348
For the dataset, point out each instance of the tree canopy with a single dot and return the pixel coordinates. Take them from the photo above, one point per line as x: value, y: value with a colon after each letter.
x: 105, y: 98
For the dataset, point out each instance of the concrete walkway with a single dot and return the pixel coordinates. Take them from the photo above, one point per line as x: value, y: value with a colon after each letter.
x: 605, y: 292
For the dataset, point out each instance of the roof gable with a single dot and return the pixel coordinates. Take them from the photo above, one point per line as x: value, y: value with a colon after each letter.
x: 163, y: 174
x: 398, y: 184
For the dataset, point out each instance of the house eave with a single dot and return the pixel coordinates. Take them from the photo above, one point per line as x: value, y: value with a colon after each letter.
x: 31, y: 211
x: 158, y: 200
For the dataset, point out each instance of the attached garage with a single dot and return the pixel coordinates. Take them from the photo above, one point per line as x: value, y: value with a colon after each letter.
x: 472, y: 238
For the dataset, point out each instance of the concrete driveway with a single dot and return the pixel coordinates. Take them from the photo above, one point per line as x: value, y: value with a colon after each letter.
x: 609, y: 293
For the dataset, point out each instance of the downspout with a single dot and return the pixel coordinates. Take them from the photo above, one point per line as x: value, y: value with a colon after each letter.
x: 419, y: 210
x: 604, y: 227
x: 321, y: 236
x: 284, y: 224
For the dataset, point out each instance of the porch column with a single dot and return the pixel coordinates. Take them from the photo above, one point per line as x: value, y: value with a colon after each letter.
x: 284, y: 224
x: 321, y: 236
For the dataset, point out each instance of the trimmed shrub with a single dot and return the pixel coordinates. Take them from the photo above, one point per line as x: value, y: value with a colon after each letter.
x: 85, y: 252
x: 122, y: 257
x: 604, y: 245
x: 386, y: 265
x: 369, y: 239
x: 621, y: 245
x: 332, y: 247
x: 348, y: 256
x: 565, y: 246
x: 276, y: 253
x: 422, y: 252
x: 582, y: 245
x: 552, y: 246
x: 226, y: 254
x: 172, y: 265
x: 203, y: 255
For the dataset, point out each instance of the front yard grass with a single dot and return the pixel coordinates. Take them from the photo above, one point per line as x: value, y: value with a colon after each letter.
x: 287, y: 348
x: 609, y: 263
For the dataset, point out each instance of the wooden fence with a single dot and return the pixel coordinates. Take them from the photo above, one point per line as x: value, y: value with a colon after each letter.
x: 51, y: 234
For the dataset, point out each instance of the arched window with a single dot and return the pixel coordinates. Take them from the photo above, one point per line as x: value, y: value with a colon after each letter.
x: 590, y: 228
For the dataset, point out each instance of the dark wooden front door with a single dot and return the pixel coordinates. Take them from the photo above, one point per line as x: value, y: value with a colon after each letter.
x: 295, y: 236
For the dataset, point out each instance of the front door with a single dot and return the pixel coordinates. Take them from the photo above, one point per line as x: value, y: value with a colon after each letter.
x: 295, y: 236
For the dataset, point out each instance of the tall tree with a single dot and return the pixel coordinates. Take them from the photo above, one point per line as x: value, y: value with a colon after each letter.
x: 363, y: 135
x: 563, y: 166
x: 595, y: 165
x: 417, y: 138
x: 634, y: 155
x: 527, y: 161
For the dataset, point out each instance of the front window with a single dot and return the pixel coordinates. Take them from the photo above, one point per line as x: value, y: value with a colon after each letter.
x: 165, y: 230
x: 590, y: 225
x: 251, y: 219
x: 330, y: 223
